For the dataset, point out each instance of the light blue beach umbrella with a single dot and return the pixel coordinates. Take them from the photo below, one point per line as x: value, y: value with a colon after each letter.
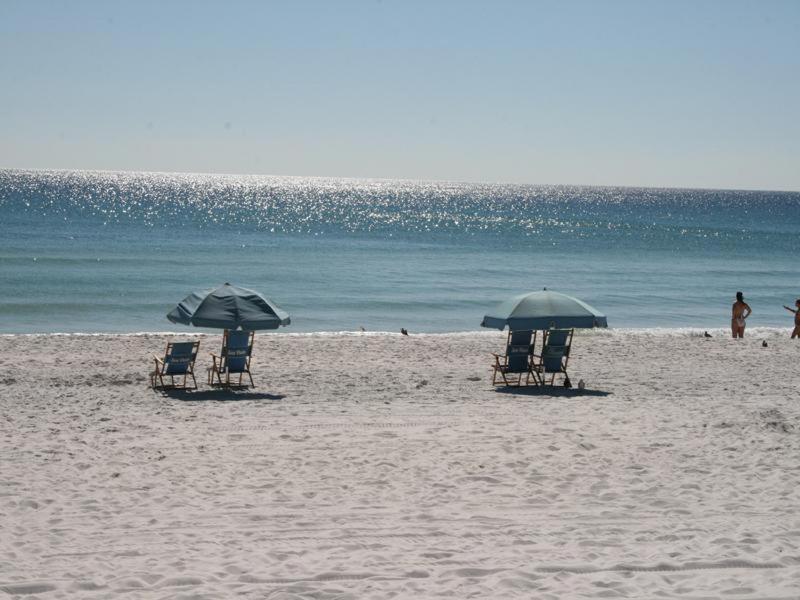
x: 229, y: 307
x: 543, y: 310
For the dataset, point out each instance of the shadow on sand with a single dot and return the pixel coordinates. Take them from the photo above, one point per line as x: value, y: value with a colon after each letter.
x: 551, y: 392
x: 220, y: 395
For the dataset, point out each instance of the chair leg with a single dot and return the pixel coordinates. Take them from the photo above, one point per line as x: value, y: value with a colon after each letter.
x: 252, y: 384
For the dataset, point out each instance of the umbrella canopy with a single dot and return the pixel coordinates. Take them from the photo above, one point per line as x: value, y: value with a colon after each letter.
x: 229, y: 307
x: 543, y: 310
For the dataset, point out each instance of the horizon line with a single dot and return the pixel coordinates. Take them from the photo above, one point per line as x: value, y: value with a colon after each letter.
x: 404, y: 179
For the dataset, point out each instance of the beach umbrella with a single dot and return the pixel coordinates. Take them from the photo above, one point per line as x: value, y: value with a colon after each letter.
x: 543, y: 310
x: 229, y: 307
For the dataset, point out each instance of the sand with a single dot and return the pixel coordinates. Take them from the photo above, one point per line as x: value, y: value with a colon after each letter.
x: 382, y: 466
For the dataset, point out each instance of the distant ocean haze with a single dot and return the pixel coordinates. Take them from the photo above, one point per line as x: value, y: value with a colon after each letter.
x: 114, y: 252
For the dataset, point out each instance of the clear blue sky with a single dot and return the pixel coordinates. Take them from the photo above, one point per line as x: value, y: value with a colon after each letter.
x: 687, y: 94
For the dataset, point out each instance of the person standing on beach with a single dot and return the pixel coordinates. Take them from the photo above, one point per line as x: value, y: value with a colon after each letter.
x: 796, y: 311
x: 741, y: 310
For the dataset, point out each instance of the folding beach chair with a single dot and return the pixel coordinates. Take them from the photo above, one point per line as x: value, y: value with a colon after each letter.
x: 516, y: 361
x: 178, y: 362
x: 553, y: 361
x: 237, y: 347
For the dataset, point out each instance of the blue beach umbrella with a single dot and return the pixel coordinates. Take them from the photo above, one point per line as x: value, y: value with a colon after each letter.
x: 543, y: 310
x: 229, y: 307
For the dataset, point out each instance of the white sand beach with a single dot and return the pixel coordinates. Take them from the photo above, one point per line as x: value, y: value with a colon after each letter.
x: 383, y: 466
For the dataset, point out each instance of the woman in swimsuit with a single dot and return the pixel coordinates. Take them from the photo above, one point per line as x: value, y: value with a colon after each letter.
x: 796, y: 311
x: 741, y: 310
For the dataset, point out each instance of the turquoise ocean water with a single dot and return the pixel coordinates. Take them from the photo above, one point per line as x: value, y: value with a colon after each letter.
x: 114, y: 252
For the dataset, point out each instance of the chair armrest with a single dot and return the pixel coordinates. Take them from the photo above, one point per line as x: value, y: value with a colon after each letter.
x: 158, y: 360
x: 499, y: 360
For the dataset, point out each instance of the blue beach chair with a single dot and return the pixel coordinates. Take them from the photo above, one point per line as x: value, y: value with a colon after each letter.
x: 517, y: 360
x: 553, y: 361
x: 178, y: 362
x: 234, y: 359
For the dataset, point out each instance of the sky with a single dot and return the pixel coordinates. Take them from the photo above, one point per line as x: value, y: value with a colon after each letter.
x: 640, y: 93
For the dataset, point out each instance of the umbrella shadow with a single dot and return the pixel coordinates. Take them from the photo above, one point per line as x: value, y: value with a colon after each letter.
x: 220, y: 395
x: 551, y: 392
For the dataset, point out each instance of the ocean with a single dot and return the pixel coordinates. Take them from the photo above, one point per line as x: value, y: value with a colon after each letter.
x: 90, y: 252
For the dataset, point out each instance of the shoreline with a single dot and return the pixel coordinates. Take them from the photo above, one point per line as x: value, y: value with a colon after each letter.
x: 769, y: 331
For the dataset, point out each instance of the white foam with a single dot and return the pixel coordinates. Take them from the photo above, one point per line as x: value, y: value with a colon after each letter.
x: 611, y: 331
